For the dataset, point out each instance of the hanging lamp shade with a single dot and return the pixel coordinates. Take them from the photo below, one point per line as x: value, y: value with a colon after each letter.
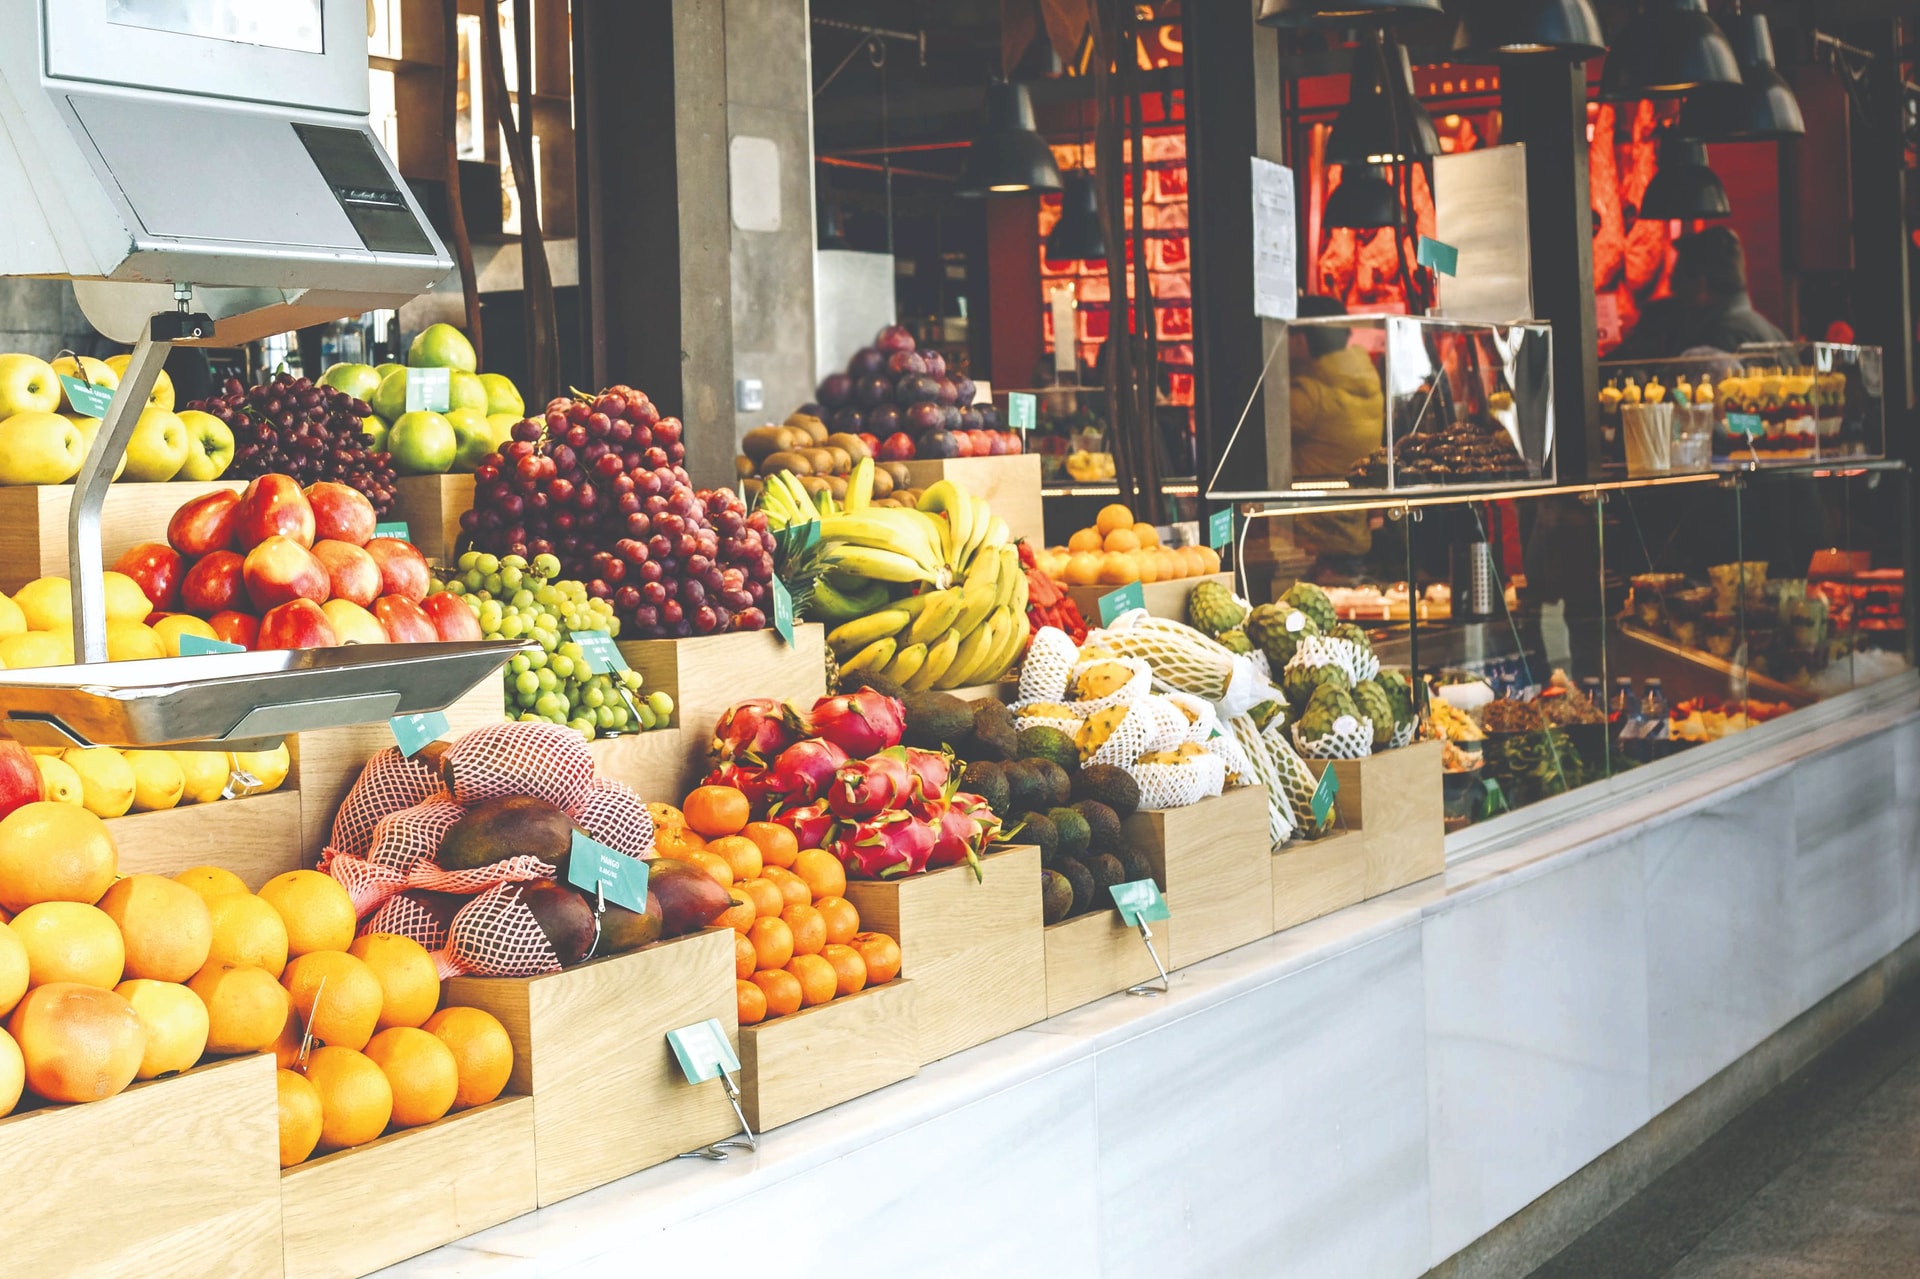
x: 1564, y: 29
x: 1342, y: 13
x: 1383, y: 122
x: 1363, y: 200
x: 1762, y: 107
x: 1008, y: 156
x: 1671, y: 47
x: 1077, y: 236
x: 1684, y: 187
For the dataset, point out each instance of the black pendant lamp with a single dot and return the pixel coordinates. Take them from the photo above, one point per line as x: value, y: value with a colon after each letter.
x: 1671, y: 47
x: 1499, y: 29
x: 1342, y: 13
x: 1077, y: 236
x: 1761, y: 108
x: 1363, y: 200
x: 1383, y: 121
x: 1008, y: 156
x: 1684, y: 187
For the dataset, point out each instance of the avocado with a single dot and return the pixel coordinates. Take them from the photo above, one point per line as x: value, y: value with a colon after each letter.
x: 1134, y: 862
x: 1107, y: 871
x: 1035, y: 829
x: 1041, y: 742
x: 985, y: 779
x: 1072, y: 829
x: 1055, y: 784
x: 1081, y: 879
x: 994, y: 734
x: 852, y: 681
x: 937, y: 720
x: 1027, y: 789
x: 1112, y: 786
x: 509, y: 826
x: 1056, y: 896
x: 1103, y: 825
x: 564, y: 917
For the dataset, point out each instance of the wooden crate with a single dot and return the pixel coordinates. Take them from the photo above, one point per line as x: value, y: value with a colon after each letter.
x: 1095, y: 955
x: 33, y: 523
x: 432, y: 506
x: 1312, y: 878
x: 1163, y: 599
x: 1394, y: 802
x: 653, y: 763
x: 1004, y: 690
x: 1010, y: 484
x: 973, y: 948
x: 355, y: 1211
x: 800, y: 1064
x: 590, y: 1047
x: 174, y: 1179
x: 1211, y: 859
x: 256, y: 837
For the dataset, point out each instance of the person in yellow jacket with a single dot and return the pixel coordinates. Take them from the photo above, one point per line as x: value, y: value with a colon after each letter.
x: 1338, y: 416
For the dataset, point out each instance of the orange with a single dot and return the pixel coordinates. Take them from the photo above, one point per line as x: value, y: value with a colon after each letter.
x: 818, y: 980
x: 286, y: 1046
x: 409, y: 983
x: 824, y: 874
x: 717, y: 810
x: 809, y: 929
x: 1146, y: 534
x: 175, y: 1021
x: 746, y: 956
x: 741, y: 853
x: 1114, y: 515
x: 1121, y: 539
x: 882, y: 955
x: 1209, y: 559
x: 481, y: 1051
x: 1118, y: 569
x: 15, y: 970
x: 315, y: 908
x: 841, y: 918
x: 1083, y: 568
x: 336, y: 995
x: 53, y: 853
x: 246, y: 1007
x: 676, y: 841
x: 299, y: 1117
x: 1147, y: 565
x: 13, y: 1074
x: 765, y: 895
x: 666, y: 817
x: 793, y: 889
x: 849, y: 970
x: 715, y: 865
x: 777, y: 844
x: 738, y: 916
x: 70, y: 942
x: 356, y: 1101
x: 752, y: 1001
x: 420, y: 1070
x: 78, y: 1043
x: 772, y: 941
x: 247, y: 932
x: 166, y: 926
x: 211, y: 882
x: 782, y: 991
x: 1086, y: 539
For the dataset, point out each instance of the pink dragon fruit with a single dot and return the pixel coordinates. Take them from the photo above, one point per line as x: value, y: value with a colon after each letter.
x: 886, y: 847
x: 861, y: 723
x: 811, y: 824
x: 754, y: 731
x: 963, y: 827
x: 755, y: 783
x: 803, y: 772
x: 866, y: 788
x: 931, y: 770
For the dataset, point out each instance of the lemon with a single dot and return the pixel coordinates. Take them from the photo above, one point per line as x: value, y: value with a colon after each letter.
x: 36, y: 648
x: 13, y: 621
x: 130, y: 642
x: 157, y: 780
x: 126, y: 602
x: 204, y: 774
x: 171, y: 627
x: 106, y: 779
x: 47, y: 604
x: 270, y: 768
x: 59, y: 780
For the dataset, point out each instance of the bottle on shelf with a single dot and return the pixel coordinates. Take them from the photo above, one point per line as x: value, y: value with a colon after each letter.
x: 1596, y: 696
x: 1653, y: 711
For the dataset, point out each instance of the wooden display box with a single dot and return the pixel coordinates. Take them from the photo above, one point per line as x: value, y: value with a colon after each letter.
x: 355, y: 1211
x: 800, y: 1064
x: 174, y: 1179
x: 432, y: 506
x: 1394, y: 802
x: 33, y: 523
x: 1163, y: 599
x: 1010, y: 484
x: 1211, y: 859
x: 255, y: 837
x: 653, y: 763
x: 1312, y: 878
x: 1007, y: 691
x: 974, y: 948
x: 1095, y: 955
x: 590, y: 1047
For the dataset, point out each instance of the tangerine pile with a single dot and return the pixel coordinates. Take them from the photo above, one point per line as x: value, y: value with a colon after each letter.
x: 797, y: 939
x: 1119, y: 549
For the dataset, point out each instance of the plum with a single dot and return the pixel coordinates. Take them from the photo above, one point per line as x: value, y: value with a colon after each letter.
x: 924, y: 417
x: 893, y: 338
x: 870, y: 390
x: 866, y: 361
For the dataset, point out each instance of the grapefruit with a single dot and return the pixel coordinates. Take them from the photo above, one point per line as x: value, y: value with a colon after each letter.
x: 211, y: 881
x: 175, y: 1021
x: 247, y: 932
x: 52, y: 852
x: 13, y: 1074
x: 78, y: 1043
x: 14, y: 971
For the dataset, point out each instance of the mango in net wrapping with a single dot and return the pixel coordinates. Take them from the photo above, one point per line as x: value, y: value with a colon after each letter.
x: 389, y: 782
x: 546, y: 761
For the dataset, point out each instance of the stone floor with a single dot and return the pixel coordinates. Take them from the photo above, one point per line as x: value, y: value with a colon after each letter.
x: 1818, y: 1180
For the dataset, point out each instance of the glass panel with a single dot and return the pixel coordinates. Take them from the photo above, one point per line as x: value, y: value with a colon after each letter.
x: 279, y: 24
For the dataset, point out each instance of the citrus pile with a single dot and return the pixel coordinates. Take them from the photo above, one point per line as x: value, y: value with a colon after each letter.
x: 1119, y: 549
x: 112, y: 783
x: 797, y: 939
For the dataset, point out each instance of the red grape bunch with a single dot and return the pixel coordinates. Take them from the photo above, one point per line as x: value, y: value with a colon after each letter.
x: 599, y: 484
x: 293, y: 426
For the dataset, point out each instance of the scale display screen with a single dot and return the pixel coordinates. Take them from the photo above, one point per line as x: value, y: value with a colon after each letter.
x: 276, y: 24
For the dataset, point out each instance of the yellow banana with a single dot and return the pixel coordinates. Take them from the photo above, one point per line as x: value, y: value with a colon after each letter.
x: 871, y: 658
x: 958, y: 505
x: 906, y: 663
x: 881, y: 566
x: 983, y: 523
x: 972, y: 650
x: 1010, y: 573
x: 797, y: 495
x: 977, y: 600
x: 1014, y: 644
x: 860, y: 487
x: 939, y: 660
x: 937, y: 617
x: 901, y: 531
x: 861, y: 631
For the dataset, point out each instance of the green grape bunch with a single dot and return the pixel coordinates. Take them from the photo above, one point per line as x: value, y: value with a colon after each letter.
x: 514, y: 599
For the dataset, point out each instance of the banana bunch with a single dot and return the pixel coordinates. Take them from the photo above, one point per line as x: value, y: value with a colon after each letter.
x: 787, y: 503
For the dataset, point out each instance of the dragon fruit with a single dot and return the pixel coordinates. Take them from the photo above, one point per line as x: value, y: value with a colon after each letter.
x: 931, y: 770
x: 963, y: 827
x: 803, y: 772
x: 755, y: 731
x: 755, y: 783
x: 861, y: 723
x: 811, y: 824
x: 866, y: 788
x: 886, y: 847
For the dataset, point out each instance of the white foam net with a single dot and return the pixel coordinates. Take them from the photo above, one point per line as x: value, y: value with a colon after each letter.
x: 1350, y: 738
x: 1128, y: 741
x: 1170, y: 726
x: 1265, y: 772
x: 1138, y: 685
x: 1202, y: 720
x: 1169, y: 785
x: 1051, y: 657
x: 1331, y: 650
x: 1182, y: 658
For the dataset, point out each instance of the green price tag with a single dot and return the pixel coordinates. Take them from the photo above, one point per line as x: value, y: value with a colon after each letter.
x: 411, y: 732
x: 782, y: 611
x: 87, y: 399
x: 592, y: 868
x: 1220, y: 529
x: 702, y: 1050
x: 1137, y: 900
x: 392, y: 528
x: 200, y: 646
x: 602, y: 654
x: 1745, y: 424
x: 429, y: 389
x: 1023, y: 411
x: 1323, y: 795
x: 1436, y: 256
x: 1114, y: 603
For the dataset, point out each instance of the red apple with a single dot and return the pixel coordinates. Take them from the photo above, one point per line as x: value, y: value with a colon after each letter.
x: 352, y: 624
x: 19, y: 777
x: 403, y: 569
x: 214, y: 583
x: 982, y: 442
x: 236, y: 628
x: 341, y: 513
x: 872, y: 442
x: 897, y: 447
x: 405, y: 621
x: 297, y: 624
x: 273, y: 506
x: 281, y: 570
x: 351, y: 572
x: 205, y: 524
x: 451, y: 617
x: 158, y: 568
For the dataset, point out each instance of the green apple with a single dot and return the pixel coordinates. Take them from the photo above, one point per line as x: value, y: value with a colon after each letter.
x: 27, y: 385
x: 465, y: 391
x: 441, y: 346
x: 39, y: 448
x: 389, y: 399
x: 422, y: 443
x: 475, y: 433
x: 358, y: 380
x: 503, y: 424
x: 503, y: 396
x: 90, y: 431
x: 209, y: 446
x: 158, y: 448
x: 384, y: 369
x: 375, y: 428
x: 160, y: 397
x: 87, y: 369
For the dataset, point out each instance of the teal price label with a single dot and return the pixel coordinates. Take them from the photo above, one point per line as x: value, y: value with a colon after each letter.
x: 87, y: 399
x: 782, y: 611
x: 1114, y: 603
x: 1220, y: 529
x: 411, y: 732
x: 1436, y: 256
x: 1745, y: 424
x: 429, y: 389
x: 702, y: 1050
x: 1323, y: 795
x: 393, y: 528
x: 1023, y: 411
x: 1138, y: 900
x: 593, y: 868
x: 602, y: 654
x: 200, y: 646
